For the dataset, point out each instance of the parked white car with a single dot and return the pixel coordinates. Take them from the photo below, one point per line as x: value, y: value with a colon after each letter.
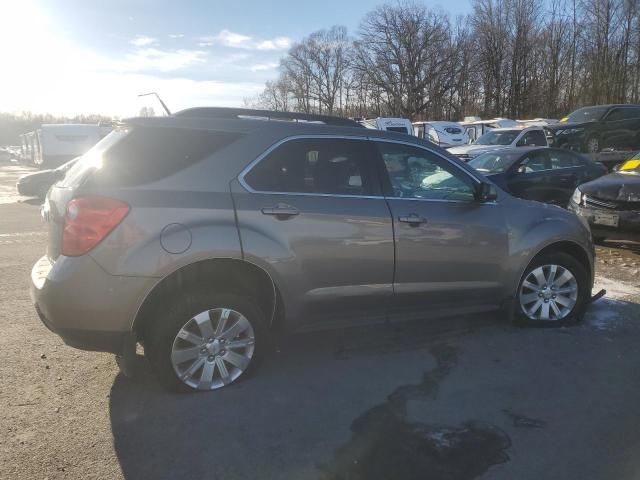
x: 499, y: 138
x: 444, y: 134
x: 475, y: 128
x: 401, y: 125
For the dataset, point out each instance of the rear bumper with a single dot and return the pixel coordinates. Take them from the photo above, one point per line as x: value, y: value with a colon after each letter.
x: 88, y: 308
x: 628, y: 224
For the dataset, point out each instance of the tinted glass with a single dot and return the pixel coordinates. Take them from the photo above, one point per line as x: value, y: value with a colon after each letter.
x: 534, y: 162
x: 630, y: 113
x: 147, y: 155
x: 326, y: 166
x: 417, y: 173
x: 587, y: 114
x: 535, y: 137
x: 560, y: 159
x: 502, y: 137
x: 397, y: 129
x: 615, y: 115
x: 494, y: 162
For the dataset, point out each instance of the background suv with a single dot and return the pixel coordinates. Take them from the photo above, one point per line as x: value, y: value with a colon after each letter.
x: 200, y: 234
x: 591, y: 129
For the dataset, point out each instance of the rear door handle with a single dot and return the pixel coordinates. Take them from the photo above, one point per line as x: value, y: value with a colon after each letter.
x: 412, y: 219
x: 281, y: 210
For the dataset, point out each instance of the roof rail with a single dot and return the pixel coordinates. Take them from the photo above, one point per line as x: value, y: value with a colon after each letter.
x: 220, y: 112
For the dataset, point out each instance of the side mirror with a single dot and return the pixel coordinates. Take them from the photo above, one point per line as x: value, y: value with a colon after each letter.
x: 522, y: 169
x: 486, y: 192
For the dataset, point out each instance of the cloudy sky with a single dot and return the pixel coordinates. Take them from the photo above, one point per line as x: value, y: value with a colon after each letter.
x: 95, y: 56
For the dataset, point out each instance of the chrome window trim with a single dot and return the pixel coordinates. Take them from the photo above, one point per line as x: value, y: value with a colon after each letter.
x: 253, y: 163
x: 282, y: 141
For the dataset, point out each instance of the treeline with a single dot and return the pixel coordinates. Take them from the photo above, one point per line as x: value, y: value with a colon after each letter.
x: 513, y: 58
x: 12, y: 125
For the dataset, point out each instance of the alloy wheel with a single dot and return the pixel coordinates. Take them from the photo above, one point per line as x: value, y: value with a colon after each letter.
x: 548, y: 293
x: 213, y: 349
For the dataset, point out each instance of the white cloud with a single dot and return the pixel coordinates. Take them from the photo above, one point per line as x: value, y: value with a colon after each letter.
x: 261, y: 67
x: 239, y: 40
x: 278, y: 43
x: 143, y: 41
x: 176, y: 35
x: 144, y: 59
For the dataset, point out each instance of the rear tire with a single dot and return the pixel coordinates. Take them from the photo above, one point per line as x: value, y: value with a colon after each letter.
x: 212, y: 362
x: 545, y: 297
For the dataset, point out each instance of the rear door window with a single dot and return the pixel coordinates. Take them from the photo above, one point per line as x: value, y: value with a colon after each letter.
x: 314, y: 166
x: 560, y: 159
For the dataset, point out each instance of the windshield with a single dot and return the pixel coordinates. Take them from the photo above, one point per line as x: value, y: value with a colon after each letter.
x: 502, y: 137
x: 587, y: 114
x: 493, y: 162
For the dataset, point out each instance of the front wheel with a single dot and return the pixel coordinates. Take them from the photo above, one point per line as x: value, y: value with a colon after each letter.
x: 592, y: 145
x: 553, y: 291
x: 206, y: 341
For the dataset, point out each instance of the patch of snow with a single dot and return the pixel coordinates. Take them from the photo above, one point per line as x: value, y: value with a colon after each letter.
x: 616, y: 289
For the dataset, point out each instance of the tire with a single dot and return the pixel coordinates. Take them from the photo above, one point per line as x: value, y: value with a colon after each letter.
x: 545, y: 314
x: 183, y: 314
x: 592, y: 145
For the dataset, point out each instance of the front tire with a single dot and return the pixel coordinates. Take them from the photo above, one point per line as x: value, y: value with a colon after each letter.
x: 553, y: 291
x: 205, y: 341
x: 592, y: 145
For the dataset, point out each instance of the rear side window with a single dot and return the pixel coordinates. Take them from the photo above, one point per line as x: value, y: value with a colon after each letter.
x: 398, y: 129
x: 322, y: 166
x: 146, y: 154
x: 561, y: 159
x: 535, y: 137
x: 631, y: 113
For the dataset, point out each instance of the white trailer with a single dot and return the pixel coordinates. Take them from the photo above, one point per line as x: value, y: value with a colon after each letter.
x: 59, y: 143
x: 400, y: 125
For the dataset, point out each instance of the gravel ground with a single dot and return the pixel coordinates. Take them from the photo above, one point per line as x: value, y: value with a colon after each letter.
x: 455, y: 399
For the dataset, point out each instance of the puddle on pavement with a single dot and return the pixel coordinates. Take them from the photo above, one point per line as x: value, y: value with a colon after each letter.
x: 384, y: 444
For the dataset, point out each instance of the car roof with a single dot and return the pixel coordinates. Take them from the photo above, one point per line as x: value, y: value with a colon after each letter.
x: 275, y: 124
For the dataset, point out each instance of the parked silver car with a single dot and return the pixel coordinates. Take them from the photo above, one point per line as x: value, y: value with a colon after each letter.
x: 201, y: 233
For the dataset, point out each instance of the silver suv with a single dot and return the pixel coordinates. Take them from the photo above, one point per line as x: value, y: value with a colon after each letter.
x: 200, y: 234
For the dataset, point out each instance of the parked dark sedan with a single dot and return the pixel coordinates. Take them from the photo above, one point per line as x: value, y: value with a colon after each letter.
x: 611, y: 204
x: 547, y: 175
x: 591, y: 129
x: 37, y: 184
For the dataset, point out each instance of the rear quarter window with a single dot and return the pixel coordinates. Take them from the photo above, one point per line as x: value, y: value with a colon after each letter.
x: 147, y: 154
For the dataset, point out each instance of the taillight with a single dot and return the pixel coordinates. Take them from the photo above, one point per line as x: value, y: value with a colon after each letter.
x: 88, y: 220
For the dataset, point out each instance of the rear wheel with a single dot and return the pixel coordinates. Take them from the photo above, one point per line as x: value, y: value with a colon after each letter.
x: 553, y: 291
x: 206, y: 341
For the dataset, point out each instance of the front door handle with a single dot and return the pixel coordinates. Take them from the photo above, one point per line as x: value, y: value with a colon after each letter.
x: 281, y: 210
x: 412, y: 219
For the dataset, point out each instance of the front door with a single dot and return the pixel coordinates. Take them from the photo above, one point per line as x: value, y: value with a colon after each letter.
x: 312, y: 210
x: 450, y: 249
x: 527, y: 178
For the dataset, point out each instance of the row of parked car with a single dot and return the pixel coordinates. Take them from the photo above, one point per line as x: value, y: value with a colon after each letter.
x: 586, y: 130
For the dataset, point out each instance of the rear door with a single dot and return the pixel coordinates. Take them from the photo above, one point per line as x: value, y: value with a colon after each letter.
x: 449, y: 248
x: 568, y: 170
x: 312, y: 209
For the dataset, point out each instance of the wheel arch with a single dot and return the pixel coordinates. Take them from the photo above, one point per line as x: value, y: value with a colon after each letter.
x: 223, y: 274
x: 565, y: 246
